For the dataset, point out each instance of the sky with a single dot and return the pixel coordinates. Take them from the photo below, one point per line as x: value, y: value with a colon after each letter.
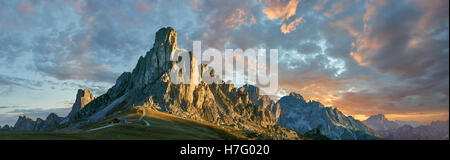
x: 363, y: 57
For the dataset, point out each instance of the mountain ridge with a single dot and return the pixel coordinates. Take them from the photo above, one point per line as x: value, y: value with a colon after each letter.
x: 150, y: 85
x: 437, y: 130
x: 26, y: 123
x: 302, y: 116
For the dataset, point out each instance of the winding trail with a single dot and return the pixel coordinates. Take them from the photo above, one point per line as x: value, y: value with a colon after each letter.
x: 113, y: 124
x: 99, y: 128
x: 147, y: 123
x: 143, y: 115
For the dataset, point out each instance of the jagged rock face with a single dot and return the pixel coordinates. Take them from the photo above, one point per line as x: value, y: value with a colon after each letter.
x: 51, y: 122
x: 400, y: 131
x: 302, y: 116
x: 262, y: 100
x: 25, y: 123
x: 157, y: 61
x: 84, y: 96
x: 150, y: 85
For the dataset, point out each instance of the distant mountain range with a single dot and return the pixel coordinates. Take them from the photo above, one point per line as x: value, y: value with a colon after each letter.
x: 398, y: 130
x: 223, y: 105
x: 293, y: 112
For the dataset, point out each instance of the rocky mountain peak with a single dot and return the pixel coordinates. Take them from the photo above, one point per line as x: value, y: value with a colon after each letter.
x: 378, y: 117
x: 166, y: 37
x: 155, y: 63
x: 24, y: 123
x: 24, y: 117
x: 52, y: 117
x: 83, y: 97
x: 253, y: 91
x: 292, y: 100
x: 296, y: 96
x: 263, y: 100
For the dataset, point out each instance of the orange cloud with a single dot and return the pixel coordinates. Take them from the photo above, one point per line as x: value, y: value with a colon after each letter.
x: 353, y: 97
x: 365, y: 45
x: 287, y: 28
x: 239, y: 16
x: 278, y: 9
x: 25, y: 7
x: 419, y: 116
x: 362, y: 59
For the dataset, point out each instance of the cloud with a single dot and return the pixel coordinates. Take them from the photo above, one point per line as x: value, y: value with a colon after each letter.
x: 280, y: 9
x: 2, y: 107
x: 218, y: 18
x: 238, y: 17
x: 372, y: 8
x: 40, y: 112
x: 394, y: 63
x: 12, y: 47
x: 337, y: 8
x: 8, y: 81
x: 285, y: 29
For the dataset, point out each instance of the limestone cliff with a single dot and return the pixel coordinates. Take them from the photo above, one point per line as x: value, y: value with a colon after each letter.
x: 149, y: 85
x: 83, y: 97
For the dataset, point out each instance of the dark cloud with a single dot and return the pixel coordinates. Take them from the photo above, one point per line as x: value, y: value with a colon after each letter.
x: 6, y: 81
x: 11, y: 48
x: 41, y: 112
x: 1, y: 107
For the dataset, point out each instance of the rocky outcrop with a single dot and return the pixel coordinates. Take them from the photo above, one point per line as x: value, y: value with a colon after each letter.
x: 150, y: 85
x: 5, y: 128
x: 437, y: 130
x: 51, y: 122
x: 263, y: 100
x: 25, y: 123
x: 84, y: 96
x: 302, y: 116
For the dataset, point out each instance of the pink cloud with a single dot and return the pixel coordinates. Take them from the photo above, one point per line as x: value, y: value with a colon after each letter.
x: 280, y: 9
